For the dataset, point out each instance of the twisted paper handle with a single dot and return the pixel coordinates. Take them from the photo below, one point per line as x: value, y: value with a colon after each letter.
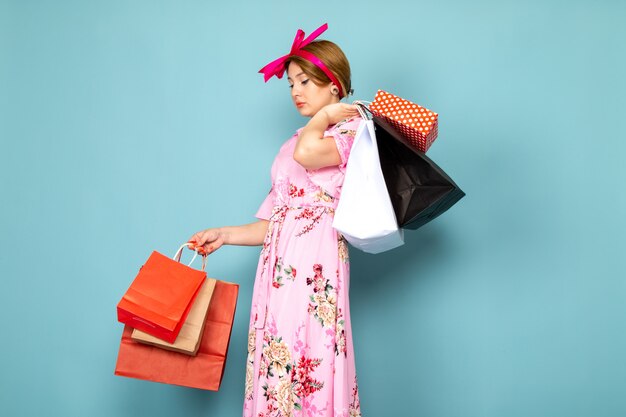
x: 362, y: 107
x: 179, y: 252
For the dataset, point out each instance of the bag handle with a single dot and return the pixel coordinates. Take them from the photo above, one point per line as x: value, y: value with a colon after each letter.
x: 179, y: 252
x: 362, y: 107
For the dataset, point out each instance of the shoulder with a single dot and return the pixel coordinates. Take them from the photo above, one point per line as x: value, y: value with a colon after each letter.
x: 353, y: 121
x: 346, y: 126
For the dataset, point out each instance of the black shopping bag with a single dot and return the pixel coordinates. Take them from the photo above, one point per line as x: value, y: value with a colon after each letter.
x: 418, y: 188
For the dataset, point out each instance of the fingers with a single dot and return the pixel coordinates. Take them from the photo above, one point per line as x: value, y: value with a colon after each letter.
x: 340, y: 111
x: 193, y: 240
x: 202, y: 241
x: 212, y: 246
x: 353, y: 108
x: 349, y: 110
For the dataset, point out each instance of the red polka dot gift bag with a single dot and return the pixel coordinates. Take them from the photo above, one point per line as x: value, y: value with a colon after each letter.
x: 415, y: 123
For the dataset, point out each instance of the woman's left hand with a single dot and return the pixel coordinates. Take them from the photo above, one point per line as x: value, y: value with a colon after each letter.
x: 339, y: 111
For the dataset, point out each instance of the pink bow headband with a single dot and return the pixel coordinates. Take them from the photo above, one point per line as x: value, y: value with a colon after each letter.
x: 277, y: 67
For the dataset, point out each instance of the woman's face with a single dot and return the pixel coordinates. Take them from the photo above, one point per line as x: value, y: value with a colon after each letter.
x: 307, y: 96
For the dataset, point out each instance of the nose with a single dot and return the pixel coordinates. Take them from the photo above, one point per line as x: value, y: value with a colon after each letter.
x: 295, y: 91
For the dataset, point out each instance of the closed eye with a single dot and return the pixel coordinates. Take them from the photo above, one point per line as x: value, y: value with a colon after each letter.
x: 303, y: 82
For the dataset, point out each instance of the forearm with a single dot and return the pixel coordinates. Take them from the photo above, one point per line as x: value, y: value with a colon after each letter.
x: 313, y: 150
x: 312, y: 132
x: 252, y: 234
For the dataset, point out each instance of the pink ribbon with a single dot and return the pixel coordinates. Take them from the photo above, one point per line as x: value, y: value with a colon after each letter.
x: 277, y: 67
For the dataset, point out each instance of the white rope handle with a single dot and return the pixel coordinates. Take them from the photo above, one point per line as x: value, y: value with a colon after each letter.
x: 179, y: 252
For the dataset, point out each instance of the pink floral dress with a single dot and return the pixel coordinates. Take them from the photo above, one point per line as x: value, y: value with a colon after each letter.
x: 300, y: 355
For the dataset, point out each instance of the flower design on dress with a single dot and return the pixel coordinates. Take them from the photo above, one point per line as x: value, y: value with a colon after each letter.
x: 323, y: 195
x: 281, y: 271
x: 249, y: 380
x: 252, y: 340
x: 263, y: 367
x: 282, y: 189
x: 340, y: 335
x: 343, y: 122
x: 291, y: 390
x: 323, y: 303
x: 295, y: 191
x: 303, y: 384
x: 313, y: 214
x: 269, y: 392
x: 250, y: 364
x: 276, y: 356
x: 355, y: 404
x: 284, y: 397
x: 326, y: 310
x: 342, y: 244
x: 272, y: 236
x: 348, y: 132
x: 275, y: 225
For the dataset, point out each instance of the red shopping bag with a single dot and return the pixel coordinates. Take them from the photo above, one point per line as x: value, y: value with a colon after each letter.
x: 415, y: 123
x: 190, y: 336
x: 203, y: 371
x: 159, y: 299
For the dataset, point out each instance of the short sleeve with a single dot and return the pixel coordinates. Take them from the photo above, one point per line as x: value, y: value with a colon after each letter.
x: 344, y: 133
x: 265, y: 211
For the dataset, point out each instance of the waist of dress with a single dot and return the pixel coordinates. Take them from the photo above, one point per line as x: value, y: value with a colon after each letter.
x: 280, y: 210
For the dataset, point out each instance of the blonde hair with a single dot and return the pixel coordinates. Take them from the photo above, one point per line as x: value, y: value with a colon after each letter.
x: 333, y: 57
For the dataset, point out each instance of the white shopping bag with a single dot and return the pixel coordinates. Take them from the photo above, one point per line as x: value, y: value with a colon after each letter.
x: 364, y: 215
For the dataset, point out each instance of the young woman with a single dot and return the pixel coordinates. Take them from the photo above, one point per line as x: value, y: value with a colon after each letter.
x: 300, y: 355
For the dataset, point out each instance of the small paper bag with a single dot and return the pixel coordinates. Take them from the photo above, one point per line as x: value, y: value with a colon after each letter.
x: 188, y: 340
x: 415, y: 123
x: 159, y: 299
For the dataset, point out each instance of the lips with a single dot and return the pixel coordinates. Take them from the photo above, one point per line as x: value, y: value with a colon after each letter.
x: 299, y: 104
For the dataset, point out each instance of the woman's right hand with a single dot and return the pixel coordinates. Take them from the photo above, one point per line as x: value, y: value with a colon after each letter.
x: 207, y: 241
x: 337, y: 112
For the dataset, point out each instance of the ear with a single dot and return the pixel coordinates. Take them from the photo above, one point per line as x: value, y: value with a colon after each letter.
x: 334, y: 90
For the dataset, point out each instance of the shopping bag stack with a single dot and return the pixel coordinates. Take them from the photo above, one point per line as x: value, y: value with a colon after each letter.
x: 178, y: 324
x: 365, y: 215
x: 390, y: 149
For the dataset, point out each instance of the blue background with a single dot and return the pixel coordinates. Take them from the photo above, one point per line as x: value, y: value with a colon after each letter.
x: 126, y: 126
